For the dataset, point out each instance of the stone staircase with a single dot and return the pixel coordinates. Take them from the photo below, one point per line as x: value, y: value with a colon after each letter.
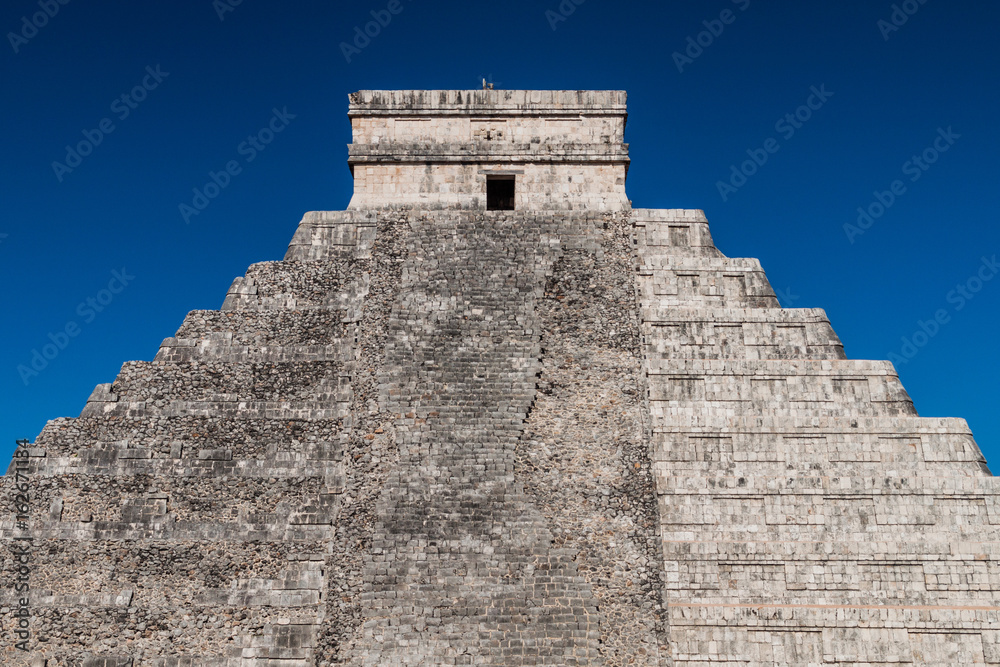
x: 462, y: 569
x: 506, y: 438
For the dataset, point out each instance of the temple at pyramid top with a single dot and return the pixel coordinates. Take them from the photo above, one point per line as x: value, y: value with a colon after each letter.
x: 446, y: 432
x: 489, y: 149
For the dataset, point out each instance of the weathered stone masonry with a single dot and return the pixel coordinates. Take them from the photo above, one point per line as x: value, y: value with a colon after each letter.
x: 570, y: 434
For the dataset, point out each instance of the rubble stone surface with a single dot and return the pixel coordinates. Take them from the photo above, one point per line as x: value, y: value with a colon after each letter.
x: 574, y: 433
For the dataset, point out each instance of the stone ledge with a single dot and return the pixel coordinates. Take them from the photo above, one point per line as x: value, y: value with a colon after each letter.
x: 470, y: 102
x: 485, y: 153
x: 793, y: 316
x: 839, y: 369
x: 642, y: 216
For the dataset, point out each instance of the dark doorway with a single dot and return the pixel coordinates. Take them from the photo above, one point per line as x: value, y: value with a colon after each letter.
x: 499, y: 193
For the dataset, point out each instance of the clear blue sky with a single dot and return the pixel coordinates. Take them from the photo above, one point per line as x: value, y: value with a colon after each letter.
x: 219, y: 81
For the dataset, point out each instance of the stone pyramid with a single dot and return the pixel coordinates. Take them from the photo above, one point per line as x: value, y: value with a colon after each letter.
x: 493, y: 415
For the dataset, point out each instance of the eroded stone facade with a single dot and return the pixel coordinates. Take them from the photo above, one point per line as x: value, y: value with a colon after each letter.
x: 570, y: 434
x: 434, y: 149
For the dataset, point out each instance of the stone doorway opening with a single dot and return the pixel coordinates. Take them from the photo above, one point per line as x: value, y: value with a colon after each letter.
x: 500, y: 193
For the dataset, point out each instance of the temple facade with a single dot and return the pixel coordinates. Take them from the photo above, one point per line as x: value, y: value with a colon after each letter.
x: 491, y: 414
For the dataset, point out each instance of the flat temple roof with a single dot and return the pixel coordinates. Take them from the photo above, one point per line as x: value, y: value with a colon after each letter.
x: 463, y: 102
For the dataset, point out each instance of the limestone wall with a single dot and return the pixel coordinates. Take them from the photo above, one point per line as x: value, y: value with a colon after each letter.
x: 504, y: 128
x: 210, y: 508
x: 576, y: 187
x: 808, y: 516
x: 569, y: 434
x: 459, y: 437
x: 434, y: 149
x: 417, y: 440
